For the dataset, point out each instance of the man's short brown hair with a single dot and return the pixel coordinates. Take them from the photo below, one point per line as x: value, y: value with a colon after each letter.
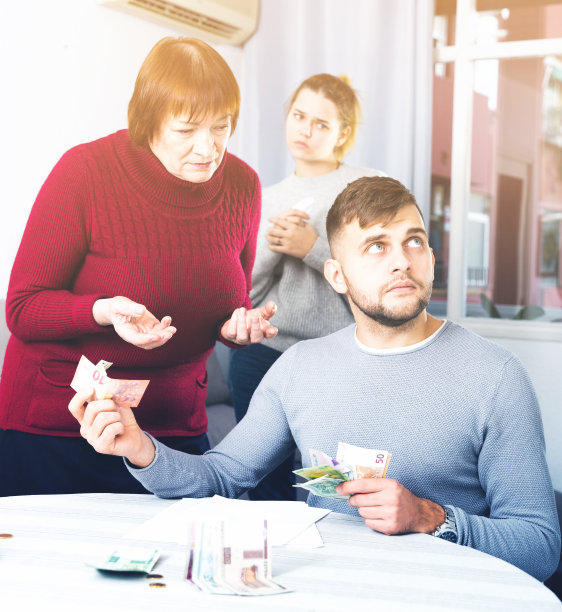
x: 370, y: 199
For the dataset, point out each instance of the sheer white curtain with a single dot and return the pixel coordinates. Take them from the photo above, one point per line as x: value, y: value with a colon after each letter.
x: 386, y: 50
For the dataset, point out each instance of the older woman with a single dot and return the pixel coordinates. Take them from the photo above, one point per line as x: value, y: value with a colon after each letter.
x: 148, y: 225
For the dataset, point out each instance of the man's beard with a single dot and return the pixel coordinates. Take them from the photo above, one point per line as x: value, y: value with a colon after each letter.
x: 383, y: 315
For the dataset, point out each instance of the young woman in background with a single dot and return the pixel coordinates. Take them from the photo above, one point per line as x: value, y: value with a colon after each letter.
x: 320, y: 128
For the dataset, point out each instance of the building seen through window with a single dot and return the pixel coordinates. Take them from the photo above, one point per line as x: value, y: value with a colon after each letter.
x: 513, y: 254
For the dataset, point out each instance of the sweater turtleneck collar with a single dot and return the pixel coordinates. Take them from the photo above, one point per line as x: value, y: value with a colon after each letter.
x: 149, y: 176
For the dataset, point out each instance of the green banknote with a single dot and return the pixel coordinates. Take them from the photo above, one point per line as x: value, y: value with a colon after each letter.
x: 352, y: 462
x: 317, y: 471
x: 129, y: 560
x: 325, y: 486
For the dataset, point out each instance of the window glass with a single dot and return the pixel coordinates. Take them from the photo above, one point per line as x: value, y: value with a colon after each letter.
x: 513, y: 253
x: 508, y: 21
x: 440, y: 204
x: 514, y: 225
x: 500, y: 21
x: 517, y: 169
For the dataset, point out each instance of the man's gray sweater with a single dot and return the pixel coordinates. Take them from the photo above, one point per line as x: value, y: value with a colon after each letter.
x: 457, y: 412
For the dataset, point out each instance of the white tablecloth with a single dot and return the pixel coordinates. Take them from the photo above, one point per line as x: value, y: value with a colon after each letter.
x: 357, y: 570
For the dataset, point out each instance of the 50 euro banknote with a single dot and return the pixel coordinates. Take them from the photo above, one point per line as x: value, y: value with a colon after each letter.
x: 125, y: 393
x: 364, y: 462
x: 352, y: 462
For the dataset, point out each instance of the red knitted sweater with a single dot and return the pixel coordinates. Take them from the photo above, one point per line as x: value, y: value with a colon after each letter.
x: 110, y: 220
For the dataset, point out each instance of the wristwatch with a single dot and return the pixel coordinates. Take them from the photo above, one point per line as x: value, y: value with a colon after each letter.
x: 448, y: 529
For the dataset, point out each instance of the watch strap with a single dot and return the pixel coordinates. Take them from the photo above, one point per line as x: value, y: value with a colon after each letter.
x: 448, y: 529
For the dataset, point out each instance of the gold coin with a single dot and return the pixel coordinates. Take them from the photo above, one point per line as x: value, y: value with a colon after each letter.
x: 157, y: 585
x: 157, y: 576
x: 5, y: 536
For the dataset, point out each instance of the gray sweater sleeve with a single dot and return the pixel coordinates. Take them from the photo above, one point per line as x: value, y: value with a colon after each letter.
x: 318, y: 254
x: 521, y: 528
x: 247, y: 454
x: 263, y: 274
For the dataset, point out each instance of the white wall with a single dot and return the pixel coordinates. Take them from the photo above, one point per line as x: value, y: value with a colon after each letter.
x: 67, y: 69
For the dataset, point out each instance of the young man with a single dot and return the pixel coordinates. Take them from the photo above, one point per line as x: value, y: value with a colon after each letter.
x: 457, y: 412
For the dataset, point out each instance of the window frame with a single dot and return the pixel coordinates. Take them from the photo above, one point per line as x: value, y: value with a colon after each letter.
x: 463, y: 54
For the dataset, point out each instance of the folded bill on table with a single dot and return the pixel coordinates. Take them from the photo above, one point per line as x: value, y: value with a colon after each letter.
x: 128, y: 560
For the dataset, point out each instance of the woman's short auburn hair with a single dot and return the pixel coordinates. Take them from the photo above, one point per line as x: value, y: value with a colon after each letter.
x: 181, y: 77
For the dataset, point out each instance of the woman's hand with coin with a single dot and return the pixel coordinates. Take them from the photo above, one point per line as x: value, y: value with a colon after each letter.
x: 291, y: 234
x: 111, y: 430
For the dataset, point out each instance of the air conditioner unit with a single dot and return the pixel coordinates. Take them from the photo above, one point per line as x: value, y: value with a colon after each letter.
x: 219, y: 21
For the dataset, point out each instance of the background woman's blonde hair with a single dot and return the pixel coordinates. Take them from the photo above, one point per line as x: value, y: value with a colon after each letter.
x: 339, y: 91
x: 181, y: 77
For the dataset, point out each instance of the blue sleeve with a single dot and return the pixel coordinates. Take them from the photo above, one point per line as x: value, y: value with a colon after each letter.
x: 255, y: 447
x: 522, y: 527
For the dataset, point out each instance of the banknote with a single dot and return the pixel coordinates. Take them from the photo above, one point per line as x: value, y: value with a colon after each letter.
x: 318, y: 471
x: 247, y: 558
x: 204, y: 569
x: 352, y: 462
x: 319, y: 458
x: 365, y: 462
x: 129, y: 560
x: 227, y: 557
x: 125, y: 393
x: 325, y: 486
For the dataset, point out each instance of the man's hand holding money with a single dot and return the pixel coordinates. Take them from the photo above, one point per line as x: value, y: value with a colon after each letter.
x: 390, y: 508
x: 111, y: 430
x: 133, y: 322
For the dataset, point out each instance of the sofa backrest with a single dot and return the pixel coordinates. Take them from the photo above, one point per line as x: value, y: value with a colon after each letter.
x: 4, y: 333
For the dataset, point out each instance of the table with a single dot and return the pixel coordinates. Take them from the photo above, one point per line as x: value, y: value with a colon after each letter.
x: 357, y: 569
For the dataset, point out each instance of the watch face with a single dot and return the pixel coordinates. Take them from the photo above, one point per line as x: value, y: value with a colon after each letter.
x: 450, y: 536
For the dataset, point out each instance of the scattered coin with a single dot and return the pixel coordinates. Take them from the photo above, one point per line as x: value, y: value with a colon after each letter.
x: 5, y: 536
x: 157, y: 585
x: 156, y: 576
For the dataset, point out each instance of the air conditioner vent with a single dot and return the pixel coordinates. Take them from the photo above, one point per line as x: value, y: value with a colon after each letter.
x: 221, y: 21
x: 190, y: 18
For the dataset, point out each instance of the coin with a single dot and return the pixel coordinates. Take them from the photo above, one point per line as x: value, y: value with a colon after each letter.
x: 157, y: 585
x: 5, y: 536
x: 157, y: 576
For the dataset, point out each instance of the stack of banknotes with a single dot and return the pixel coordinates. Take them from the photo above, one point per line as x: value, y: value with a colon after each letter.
x: 231, y: 558
x: 351, y: 462
x: 125, y: 393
